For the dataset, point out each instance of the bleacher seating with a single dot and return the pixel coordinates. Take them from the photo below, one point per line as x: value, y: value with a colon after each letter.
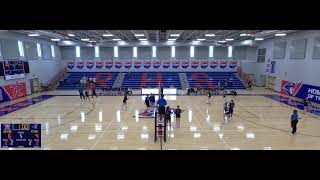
x: 211, y: 79
x: 102, y: 79
x: 140, y: 80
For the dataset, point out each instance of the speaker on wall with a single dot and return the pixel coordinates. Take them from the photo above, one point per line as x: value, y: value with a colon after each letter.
x: 26, y: 67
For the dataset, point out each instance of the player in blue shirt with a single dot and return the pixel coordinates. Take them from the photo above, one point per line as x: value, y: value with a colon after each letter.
x: 81, y: 89
x: 162, y: 104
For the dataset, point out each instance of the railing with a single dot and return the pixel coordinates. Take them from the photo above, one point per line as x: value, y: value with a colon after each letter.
x: 54, y: 80
x: 244, y: 76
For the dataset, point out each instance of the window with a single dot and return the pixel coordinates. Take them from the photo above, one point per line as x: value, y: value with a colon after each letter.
x: 154, y: 51
x: 298, y: 49
x: 191, y: 51
x: 20, y: 46
x: 77, y: 51
x: 229, y: 51
x: 134, y: 51
x: 210, y: 51
x: 316, y: 48
x: 39, y: 50
x: 261, y: 55
x: 115, y: 51
x: 173, y: 51
x: 52, y: 51
x: 96, y: 52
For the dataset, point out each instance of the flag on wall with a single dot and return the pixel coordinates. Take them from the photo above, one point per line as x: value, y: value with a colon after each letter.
x: 223, y: 64
x: 99, y: 64
x: 109, y: 64
x: 89, y: 64
x: 12, y: 91
x: 70, y: 64
x: 128, y: 64
x: 204, y: 64
x: 214, y: 64
x: 147, y: 64
x: 166, y: 64
x: 194, y: 64
x: 185, y: 64
x: 80, y: 64
x: 118, y: 64
x: 156, y: 64
x: 233, y: 64
x: 268, y: 64
x: 137, y: 64
x: 175, y: 64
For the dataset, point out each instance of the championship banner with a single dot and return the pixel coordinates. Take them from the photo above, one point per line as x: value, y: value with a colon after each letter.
x: 128, y: 64
x: 185, y: 64
x: 99, y: 64
x: 12, y: 91
x: 194, y: 64
x: 80, y: 64
x: 147, y: 64
x: 233, y: 64
x: 301, y: 91
x: 166, y: 64
x: 89, y: 64
x: 175, y: 64
x: 137, y: 64
x: 156, y: 64
x: 214, y: 64
x: 109, y: 64
x: 223, y: 64
x: 70, y: 64
x: 268, y: 64
x: 118, y: 64
x: 204, y: 64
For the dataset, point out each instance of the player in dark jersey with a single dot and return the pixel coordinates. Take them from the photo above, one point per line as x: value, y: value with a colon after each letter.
x: 209, y: 98
x: 147, y: 101
x: 231, y: 107
x: 168, y: 116
x: 87, y: 94
x: 125, y: 98
x: 178, y: 116
x: 93, y: 91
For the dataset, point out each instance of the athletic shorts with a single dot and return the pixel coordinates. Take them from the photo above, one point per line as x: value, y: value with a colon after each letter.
x: 148, y: 104
x: 162, y: 110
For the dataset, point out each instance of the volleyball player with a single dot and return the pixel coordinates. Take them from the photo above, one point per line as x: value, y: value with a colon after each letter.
x: 81, y: 92
x: 147, y: 101
x: 209, y: 98
x: 177, y: 112
x: 125, y: 98
x: 231, y: 107
x: 168, y: 116
x: 93, y: 91
x: 87, y: 94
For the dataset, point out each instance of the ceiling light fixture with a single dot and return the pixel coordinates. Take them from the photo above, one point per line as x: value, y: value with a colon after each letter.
x: 139, y: 35
x: 175, y: 35
x: 107, y: 35
x: 33, y: 35
x: 280, y: 34
x: 229, y: 39
x: 71, y: 35
x: 55, y: 39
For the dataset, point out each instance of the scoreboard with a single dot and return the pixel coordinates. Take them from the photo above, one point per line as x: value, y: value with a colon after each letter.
x: 21, y: 135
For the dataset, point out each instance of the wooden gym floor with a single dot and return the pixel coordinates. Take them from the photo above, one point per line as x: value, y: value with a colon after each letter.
x: 259, y: 123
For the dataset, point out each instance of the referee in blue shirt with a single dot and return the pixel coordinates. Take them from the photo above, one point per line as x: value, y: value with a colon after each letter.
x: 162, y: 104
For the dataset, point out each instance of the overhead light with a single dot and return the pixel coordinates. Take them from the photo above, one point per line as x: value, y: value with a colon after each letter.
x: 55, y: 39
x: 32, y: 35
x: 67, y: 42
x: 201, y: 39
x: 122, y: 43
x: 195, y: 41
x: 209, y: 35
x: 222, y: 41
x: 258, y: 39
x: 175, y: 35
x: 85, y: 39
x: 107, y: 35
x: 143, y: 39
x: 71, y: 35
x: 172, y: 39
x: 243, y: 34
x: 116, y: 39
x: 280, y: 34
x: 139, y: 35
x: 229, y: 39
